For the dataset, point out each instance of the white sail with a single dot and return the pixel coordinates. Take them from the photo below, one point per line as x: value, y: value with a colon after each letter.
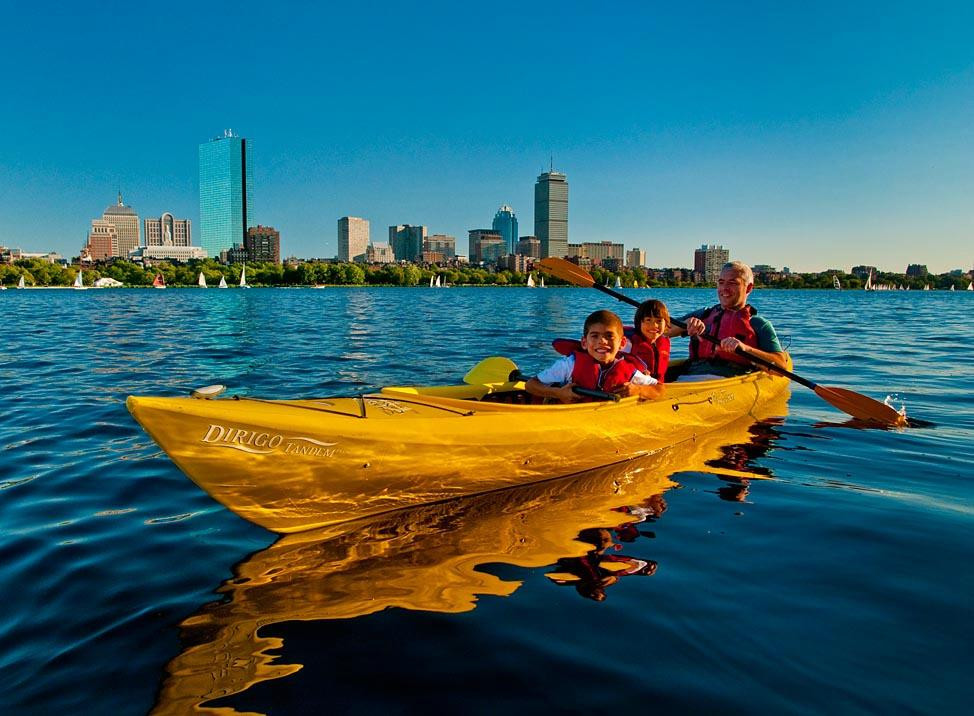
x: 970, y: 286
x: 243, y: 277
x: 201, y: 281
x: 21, y: 284
x: 618, y: 282
x: 431, y: 280
x: 436, y: 284
x: 869, y: 282
x: 530, y: 280
x: 79, y: 281
x: 951, y: 288
x: 542, y: 282
x: 926, y: 287
x: 835, y: 283
x: 223, y: 282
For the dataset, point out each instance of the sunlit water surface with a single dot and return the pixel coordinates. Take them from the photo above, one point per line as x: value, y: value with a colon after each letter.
x: 842, y: 583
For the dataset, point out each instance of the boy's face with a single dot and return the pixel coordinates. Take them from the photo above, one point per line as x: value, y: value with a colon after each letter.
x: 652, y: 328
x: 603, y: 342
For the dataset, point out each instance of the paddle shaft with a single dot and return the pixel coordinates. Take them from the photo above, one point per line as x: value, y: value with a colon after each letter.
x: 716, y: 341
x: 577, y: 390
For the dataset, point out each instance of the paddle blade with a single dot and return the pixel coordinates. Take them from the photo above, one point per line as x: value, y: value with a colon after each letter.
x: 495, y: 369
x: 859, y: 406
x: 566, y: 271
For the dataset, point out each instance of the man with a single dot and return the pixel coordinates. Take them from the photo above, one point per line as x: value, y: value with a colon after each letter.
x: 735, y: 323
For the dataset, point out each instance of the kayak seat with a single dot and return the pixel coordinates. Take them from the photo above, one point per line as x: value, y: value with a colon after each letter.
x: 511, y: 397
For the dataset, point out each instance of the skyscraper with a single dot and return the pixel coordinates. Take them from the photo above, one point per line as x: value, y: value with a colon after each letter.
x: 407, y: 241
x: 708, y: 260
x: 226, y: 192
x: 126, y: 223
x: 505, y: 224
x: 551, y: 213
x: 353, y: 238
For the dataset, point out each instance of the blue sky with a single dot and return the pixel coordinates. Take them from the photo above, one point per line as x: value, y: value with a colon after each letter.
x: 804, y: 135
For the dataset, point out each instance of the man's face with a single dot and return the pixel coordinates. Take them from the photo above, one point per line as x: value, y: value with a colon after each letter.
x: 732, y: 291
x: 603, y: 342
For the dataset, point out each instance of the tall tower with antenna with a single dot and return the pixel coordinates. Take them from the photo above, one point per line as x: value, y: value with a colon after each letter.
x: 551, y: 212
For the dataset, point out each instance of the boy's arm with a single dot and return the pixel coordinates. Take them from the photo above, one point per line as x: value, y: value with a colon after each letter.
x: 563, y: 393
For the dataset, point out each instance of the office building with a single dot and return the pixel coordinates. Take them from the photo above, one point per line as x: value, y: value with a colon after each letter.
x: 226, y: 192
x: 126, y: 223
x: 442, y: 244
x: 263, y: 243
x: 486, y: 246
x: 353, y: 238
x: 551, y: 213
x: 379, y: 254
x: 505, y: 224
x: 407, y: 242
x: 596, y: 252
x: 102, y: 241
x: 168, y: 231
x: 529, y: 246
x: 635, y: 258
x: 708, y: 260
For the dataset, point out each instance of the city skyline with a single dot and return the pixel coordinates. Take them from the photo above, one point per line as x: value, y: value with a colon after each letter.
x: 809, y: 138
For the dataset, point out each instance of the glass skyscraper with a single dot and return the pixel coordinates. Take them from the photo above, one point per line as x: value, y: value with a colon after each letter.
x: 505, y: 224
x: 551, y: 213
x: 226, y: 192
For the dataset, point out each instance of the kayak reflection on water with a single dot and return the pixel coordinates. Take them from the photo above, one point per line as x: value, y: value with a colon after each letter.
x: 428, y: 558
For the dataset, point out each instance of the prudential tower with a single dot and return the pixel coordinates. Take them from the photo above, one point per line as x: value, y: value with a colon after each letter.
x: 551, y: 213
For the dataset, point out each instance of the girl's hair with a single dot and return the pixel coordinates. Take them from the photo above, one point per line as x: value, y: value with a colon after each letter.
x: 651, y: 309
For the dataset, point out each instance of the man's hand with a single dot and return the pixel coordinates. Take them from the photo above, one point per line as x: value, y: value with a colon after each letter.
x: 695, y: 326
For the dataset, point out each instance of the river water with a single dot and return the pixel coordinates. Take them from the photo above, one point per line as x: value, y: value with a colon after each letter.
x: 793, y: 565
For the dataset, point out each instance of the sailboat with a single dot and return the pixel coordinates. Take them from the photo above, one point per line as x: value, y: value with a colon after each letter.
x: 635, y: 284
x: 542, y: 282
x: 530, y: 280
x: 79, y: 282
x: 431, y: 280
x: 21, y: 283
x: 223, y: 282
x: 158, y: 281
x: 869, y: 282
x: 952, y: 287
x: 201, y: 281
x: 436, y: 284
x: 970, y: 286
x: 835, y: 283
x: 243, y: 277
x: 618, y: 282
x: 926, y: 287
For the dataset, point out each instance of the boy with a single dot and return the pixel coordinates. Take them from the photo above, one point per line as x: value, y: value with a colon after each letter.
x: 598, y: 366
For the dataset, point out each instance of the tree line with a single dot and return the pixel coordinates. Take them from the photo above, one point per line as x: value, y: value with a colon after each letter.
x: 37, y: 272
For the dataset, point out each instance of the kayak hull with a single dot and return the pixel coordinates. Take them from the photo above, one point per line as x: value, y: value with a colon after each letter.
x: 296, y: 465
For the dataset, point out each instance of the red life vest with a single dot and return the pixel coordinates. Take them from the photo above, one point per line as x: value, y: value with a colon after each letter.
x: 589, y: 373
x: 655, y: 355
x: 723, y: 324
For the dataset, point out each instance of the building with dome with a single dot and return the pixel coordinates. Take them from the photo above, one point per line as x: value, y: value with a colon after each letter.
x: 505, y: 224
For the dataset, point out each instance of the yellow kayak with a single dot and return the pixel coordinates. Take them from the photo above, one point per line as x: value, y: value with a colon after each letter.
x: 294, y: 465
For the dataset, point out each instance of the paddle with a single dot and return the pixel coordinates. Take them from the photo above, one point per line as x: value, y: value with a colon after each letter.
x: 497, y: 369
x: 576, y: 389
x: 857, y: 405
